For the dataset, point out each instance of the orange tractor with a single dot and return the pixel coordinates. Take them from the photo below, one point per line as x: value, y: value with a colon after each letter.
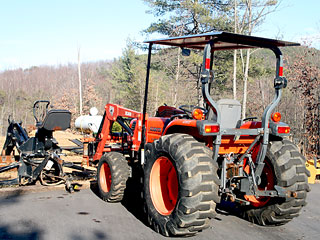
x: 194, y: 157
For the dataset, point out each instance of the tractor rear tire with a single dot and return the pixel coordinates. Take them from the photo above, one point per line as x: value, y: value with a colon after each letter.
x: 290, y: 173
x: 180, y: 185
x: 112, y: 175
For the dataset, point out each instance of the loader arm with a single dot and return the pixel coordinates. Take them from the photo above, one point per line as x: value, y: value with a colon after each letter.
x: 114, y: 113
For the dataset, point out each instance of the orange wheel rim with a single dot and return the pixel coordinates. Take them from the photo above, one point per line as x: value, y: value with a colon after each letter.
x: 105, y: 177
x: 163, y: 186
x: 267, y: 183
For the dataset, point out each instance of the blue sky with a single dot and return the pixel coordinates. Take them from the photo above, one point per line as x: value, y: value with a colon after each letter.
x: 49, y: 32
x: 295, y: 20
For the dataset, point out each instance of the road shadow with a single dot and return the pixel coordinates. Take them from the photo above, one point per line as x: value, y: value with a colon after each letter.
x: 132, y: 199
x: 94, y: 188
x: 95, y: 235
x: 30, y: 234
x: 134, y: 203
x: 10, y: 197
x: 22, y: 231
x: 227, y: 208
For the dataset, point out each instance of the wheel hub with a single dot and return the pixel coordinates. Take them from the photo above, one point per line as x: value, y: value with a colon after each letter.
x: 164, y: 185
x: 105, y: 177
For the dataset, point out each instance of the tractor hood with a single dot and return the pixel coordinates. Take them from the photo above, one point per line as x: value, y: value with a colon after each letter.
x: 222, y: 41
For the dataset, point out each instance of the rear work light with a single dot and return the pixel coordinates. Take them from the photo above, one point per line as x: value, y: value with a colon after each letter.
x: 284, y: 130
x: 211, y: 128
x: 198, y: 114
x: 276, y: 117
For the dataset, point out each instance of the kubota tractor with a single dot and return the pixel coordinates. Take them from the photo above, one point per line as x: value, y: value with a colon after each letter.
x: 193, y: 157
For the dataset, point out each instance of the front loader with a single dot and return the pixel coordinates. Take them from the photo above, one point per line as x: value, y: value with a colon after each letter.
x: 194, y: 157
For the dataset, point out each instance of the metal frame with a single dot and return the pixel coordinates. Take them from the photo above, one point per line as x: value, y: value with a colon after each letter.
x: 33, y: 154
x: 215, y: 41
x: 116, y: 113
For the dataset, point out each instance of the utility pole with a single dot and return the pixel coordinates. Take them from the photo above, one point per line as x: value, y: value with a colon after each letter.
x: 235, y: 55
x: 80, y: 83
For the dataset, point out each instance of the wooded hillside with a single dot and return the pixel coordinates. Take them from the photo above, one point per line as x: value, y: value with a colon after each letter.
x: 174, y: 81
x: 244, y: 75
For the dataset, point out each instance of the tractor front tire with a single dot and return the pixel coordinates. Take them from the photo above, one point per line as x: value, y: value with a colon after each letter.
x: 290, y: 173
x: 180, y: 185
x: 112, y: 175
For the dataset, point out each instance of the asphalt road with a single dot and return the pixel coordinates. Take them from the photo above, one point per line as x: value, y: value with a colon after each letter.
x: 82, y: 215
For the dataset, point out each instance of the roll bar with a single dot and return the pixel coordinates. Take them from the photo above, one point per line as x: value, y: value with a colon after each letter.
x: 279, y: 83
x: 215, y: 41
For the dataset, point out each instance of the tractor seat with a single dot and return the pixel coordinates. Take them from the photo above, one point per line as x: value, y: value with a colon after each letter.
x: 56, y: 119
x: 230, y: 110
x: 168, y: 111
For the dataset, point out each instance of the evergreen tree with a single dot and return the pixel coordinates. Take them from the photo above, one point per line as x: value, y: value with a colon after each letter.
x: 183, y: 17
x: 128, y: 75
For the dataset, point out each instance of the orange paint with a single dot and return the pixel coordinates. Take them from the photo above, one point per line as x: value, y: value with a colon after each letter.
x: 163, y: 186
x: 228, y: 144
x: 105, y: 177
x: 155, y: 128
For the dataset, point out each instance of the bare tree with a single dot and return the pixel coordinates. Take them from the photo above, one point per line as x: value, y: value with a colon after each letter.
x: 251, y: 13
x: 80, y: 83
x: 235, y: 53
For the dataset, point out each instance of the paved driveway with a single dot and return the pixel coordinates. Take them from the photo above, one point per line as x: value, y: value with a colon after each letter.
x: 82, y: 215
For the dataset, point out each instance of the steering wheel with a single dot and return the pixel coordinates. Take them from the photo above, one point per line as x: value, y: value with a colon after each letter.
x: 189, y: 108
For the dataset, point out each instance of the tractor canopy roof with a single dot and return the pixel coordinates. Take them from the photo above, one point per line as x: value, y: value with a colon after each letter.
x: 222, y: 41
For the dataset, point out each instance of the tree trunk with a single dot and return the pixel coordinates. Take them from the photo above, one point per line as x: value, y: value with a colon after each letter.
x: 235, y: 55
x: 235, y: 74
x: 80, y: 83
x: 245, y: 84
x: 141, y: 95
x: 261, y: 86
x: 1, y: 119
x: 175, y: 94
x: 199, y: 88
x: 246, y: 72
x: 157, y: 93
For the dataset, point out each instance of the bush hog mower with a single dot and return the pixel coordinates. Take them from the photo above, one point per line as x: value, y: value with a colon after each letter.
x: 193, y: 157
x: 39, y: 156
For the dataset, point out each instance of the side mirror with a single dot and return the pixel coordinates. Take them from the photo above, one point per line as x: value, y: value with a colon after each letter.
x: 186, y: 52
